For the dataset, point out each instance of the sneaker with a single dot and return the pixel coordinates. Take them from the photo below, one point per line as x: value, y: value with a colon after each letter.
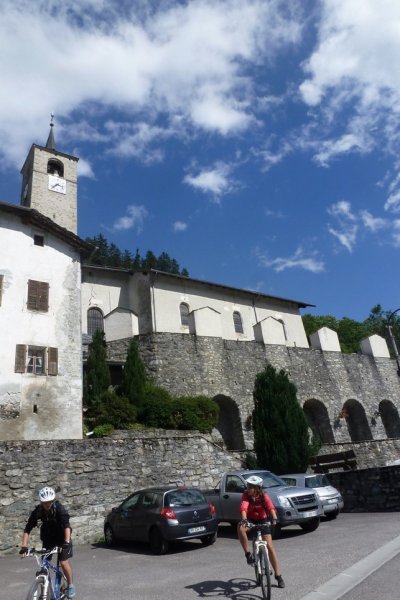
x: 280, y: 582
x: 71, y: 591
x: 249, y: 558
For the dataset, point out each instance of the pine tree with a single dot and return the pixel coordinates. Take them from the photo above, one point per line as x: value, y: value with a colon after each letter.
x: 133, y: 376
x: 97, y: 374
x: 281, y: 439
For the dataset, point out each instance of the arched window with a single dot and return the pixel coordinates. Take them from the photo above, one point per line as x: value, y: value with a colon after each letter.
x: 95, y: 320
x: 184, y: 310
x: 237, y: 322
x: 55, y: 167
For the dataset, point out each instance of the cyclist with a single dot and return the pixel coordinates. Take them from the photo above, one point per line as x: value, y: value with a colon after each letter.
x: 256, y: 506
x: 55, y: 530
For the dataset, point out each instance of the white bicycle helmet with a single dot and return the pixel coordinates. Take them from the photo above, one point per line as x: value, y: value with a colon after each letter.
x: 46, y: 494
x: 254, y: 480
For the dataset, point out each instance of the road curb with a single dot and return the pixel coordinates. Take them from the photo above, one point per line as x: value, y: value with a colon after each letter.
x: 339, y: 585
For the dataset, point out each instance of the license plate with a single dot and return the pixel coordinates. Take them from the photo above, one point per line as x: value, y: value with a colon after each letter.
x: 196, y: 529
x: 310, y: 513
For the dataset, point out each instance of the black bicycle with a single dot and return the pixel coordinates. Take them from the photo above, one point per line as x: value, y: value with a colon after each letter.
x: 262, y: 565
x: 50, y: 582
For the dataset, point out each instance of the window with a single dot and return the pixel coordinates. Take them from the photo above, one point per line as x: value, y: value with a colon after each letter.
x: 38, y: 239
x: 55, y: 167
x: 38, y: 295
x: 184, y: 310
x: 36, y: 360
x: 237, y: 322
x: 95, y: 321
x: 1, y: 287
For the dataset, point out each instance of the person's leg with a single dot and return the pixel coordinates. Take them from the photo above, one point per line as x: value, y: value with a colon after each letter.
x: 242, y: 535
x: 67, y: 570
x: 274, y: 560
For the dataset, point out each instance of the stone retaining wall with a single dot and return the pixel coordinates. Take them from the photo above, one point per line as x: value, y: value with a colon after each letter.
x: 91, y: 476
x: 369, y: 490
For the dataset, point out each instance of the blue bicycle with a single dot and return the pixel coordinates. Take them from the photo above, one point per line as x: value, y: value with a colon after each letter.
x: 50, y: 582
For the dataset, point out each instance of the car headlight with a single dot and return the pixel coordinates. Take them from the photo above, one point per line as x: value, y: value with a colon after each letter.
x: 284, y: 501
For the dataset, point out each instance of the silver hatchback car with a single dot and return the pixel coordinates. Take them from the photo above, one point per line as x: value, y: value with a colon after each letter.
x: 331, y: 498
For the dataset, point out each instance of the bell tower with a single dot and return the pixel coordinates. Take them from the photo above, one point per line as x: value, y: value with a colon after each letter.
x: 49, y: 183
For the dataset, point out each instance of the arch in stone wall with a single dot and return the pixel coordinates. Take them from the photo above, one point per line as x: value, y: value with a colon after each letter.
x: 229, y: 424
x: 390, y: 418
x: 318, y: 420
x: 356, y: 420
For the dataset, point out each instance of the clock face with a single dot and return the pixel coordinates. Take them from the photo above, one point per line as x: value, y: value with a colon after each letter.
x: 57, y: 184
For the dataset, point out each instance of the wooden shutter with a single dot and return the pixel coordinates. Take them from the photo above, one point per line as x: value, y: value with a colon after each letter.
x: 52, y: 359
x: 20, y: 358
x: 1, y: 287
x: 38, y: 295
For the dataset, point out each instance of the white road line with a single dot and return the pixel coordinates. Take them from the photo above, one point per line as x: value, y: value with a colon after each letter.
x: 336, y: 587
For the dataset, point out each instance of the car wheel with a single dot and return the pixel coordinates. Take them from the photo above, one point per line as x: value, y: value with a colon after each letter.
x: 109, y: 536
x: 311, y: 525
x: 209, y: 539
x: 158, y: 544
x: 332, y: 515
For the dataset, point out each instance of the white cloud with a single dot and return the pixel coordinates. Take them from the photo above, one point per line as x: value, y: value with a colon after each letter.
x: 346, y: 230
x: 215, y: 180
x: 373, y: 223
x: 164, y: 61
x: 85, y: 169
x: 134, y: 219
x: 179, y: 226
x: 301, y: 259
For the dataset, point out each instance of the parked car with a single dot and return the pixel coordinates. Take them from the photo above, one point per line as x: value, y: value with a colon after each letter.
x: 294, y: 505
x: 331, y: 498
x: 159, y: 515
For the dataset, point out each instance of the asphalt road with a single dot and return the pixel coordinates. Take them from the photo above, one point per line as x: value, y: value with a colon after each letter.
x: 339, y: 555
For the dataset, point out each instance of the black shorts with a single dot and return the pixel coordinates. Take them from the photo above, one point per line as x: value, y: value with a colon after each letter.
x: 265, y: 527
x: 64, y: 553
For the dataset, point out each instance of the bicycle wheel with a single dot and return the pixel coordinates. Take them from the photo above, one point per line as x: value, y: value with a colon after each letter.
x: 265, y: 573
x: 36, y: 591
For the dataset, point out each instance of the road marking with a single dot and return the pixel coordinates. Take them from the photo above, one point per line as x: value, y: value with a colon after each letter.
x: 336, y: 587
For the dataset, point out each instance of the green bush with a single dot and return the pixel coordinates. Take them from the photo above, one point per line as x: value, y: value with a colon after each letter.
x: 156, y: 407
x: 103, y: 430
x: 113, y: 409
x: 159, y: 409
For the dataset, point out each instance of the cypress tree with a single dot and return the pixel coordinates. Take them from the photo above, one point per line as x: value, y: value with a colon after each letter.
x: 281, y: 440
x: 133, y: 376
x: 97, y: 374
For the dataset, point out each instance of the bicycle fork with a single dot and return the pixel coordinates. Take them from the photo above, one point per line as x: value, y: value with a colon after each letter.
x: 45, y: 583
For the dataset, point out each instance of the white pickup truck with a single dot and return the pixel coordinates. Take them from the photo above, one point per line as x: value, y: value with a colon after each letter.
x: 294, y: 505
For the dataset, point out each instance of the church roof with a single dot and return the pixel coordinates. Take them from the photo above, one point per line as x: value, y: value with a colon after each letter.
x: 34, y: 217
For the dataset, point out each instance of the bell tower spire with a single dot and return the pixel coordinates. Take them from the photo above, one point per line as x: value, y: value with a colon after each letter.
x: 51, y: 144
x: 49, y: 182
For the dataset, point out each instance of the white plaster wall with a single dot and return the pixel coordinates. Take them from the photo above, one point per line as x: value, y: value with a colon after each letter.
x: 120, y: 324
x: 168, y: 296
x: 58, y: 398
x: 106, y: 290
x: 206, y: 320
x: 158, y: 307
x: 270, y: 331
x: 325, y: 339
x: 376, y: 346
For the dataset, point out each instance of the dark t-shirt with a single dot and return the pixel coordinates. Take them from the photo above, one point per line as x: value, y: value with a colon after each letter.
x: 51, y: 523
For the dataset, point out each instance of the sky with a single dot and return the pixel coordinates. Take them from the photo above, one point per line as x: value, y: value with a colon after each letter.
x: 257, y: 142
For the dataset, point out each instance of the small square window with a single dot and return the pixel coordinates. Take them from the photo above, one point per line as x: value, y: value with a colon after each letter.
x: 38, y: 239
x: 35, y: 360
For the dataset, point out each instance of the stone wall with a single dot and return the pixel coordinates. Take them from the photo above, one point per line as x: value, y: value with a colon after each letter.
x: 369, y: 490
x: 187, y: 364
x: 91, y: 476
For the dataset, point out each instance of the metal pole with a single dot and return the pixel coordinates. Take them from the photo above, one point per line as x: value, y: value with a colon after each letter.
x: 393, y: 341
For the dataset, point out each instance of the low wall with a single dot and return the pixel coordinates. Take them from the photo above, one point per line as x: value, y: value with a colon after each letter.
x: 91, y: 476
x: 369, y: 490
x: 371, y: 453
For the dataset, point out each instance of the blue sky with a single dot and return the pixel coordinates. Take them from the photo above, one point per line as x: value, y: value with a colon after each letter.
x: 255, y: 141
